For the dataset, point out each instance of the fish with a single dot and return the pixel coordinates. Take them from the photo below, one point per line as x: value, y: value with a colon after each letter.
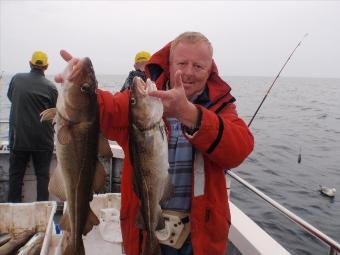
x: 4, y: 238
x: 148, y: 149
x: 17, y: 240
x: 33, y: 246
x: 78, y: 143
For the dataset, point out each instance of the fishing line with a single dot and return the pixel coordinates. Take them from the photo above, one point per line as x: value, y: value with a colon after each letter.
x: 277, y: 76
x: 264, y: 98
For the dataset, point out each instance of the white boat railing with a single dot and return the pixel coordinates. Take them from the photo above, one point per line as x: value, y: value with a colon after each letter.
x: 334, y: 246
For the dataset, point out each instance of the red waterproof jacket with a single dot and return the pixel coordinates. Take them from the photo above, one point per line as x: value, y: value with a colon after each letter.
x: 223, y: 141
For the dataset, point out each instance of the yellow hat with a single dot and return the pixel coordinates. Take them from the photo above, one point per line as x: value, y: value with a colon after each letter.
x: 142, y: 56
x: 39, y: 58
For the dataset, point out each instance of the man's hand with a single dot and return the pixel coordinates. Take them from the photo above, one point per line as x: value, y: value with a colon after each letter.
x: 176, y: 103
x: 72, y: 62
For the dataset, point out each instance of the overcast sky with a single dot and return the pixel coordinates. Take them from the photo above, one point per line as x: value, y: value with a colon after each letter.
x: 249, y: 37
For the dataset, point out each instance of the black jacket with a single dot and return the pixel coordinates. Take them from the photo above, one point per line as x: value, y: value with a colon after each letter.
x: 129, y: 79
x: 30, y: 94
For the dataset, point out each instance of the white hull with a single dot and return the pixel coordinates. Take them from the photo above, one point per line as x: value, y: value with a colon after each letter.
x: 244, y: 233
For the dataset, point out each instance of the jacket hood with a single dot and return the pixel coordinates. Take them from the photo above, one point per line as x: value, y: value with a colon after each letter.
x: 158, y: 66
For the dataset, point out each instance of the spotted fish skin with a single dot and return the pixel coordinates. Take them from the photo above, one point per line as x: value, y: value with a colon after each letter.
x: 78, y: 171
x: 149, y: 156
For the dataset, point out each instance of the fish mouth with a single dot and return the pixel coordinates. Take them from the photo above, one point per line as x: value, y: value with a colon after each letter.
x: 79, y: 90
x: 146, y: 110
x: 138, y: 88
x: 83, y: 74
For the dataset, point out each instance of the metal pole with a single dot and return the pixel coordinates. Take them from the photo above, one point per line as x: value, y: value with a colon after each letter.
x: 332, y: 251
x: 110, y: 170
x: 293, y: 217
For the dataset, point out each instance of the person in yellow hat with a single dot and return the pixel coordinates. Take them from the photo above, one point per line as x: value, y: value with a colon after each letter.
x: 141, y: 59
x: 30, y: 94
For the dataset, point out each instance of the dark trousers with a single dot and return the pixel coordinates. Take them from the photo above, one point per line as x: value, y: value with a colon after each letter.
x: 185, y: 250
x: 17, y: 167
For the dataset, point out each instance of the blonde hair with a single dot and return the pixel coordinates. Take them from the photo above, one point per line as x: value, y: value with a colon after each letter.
x: 191, y: 37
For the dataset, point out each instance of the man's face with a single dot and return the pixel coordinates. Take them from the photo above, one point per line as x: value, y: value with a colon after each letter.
x: 140, y: 65
x: 194, y: 60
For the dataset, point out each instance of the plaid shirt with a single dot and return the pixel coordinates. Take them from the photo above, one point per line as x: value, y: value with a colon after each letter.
x: 181, y: 155
x: 180, y: 168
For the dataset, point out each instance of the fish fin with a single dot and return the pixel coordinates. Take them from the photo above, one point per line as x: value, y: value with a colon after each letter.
x: 65, y: 221
x: 99, y: 177
x: 168, y: 190
x: 83, y: 125
x: 140, y: 221
x: 90, y: 222
x: 151, y: 246
x: 56, y: 185
x: 160, y: 222
x: 64, y: 136
x: 104, y: 147
x: 48, y: 114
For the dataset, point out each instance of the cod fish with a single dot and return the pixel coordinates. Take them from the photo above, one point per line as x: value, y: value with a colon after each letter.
x: 17, y: 240
x: 149, y: 156
x: 33, y: 246
x: 78, y: 172
x: 4, y: 238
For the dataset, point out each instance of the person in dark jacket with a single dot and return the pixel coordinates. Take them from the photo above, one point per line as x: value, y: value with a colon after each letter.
x: 30, y: 94
x: 141, y: 59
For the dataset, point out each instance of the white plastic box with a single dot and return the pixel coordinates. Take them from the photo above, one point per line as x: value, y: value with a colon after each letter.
x: 16, y: 217
x: 93, y: 241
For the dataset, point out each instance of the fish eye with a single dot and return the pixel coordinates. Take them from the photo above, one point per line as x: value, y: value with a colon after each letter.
x: 133, y: 100
x: 85, y: 88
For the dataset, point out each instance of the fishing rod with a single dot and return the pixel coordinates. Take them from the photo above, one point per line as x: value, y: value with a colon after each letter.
x: 277, y: 76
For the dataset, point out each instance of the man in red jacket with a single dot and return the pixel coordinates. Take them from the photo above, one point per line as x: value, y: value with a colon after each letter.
x: 206, y: 136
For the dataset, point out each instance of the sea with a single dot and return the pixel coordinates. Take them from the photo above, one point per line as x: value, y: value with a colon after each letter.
x: 300, y: 116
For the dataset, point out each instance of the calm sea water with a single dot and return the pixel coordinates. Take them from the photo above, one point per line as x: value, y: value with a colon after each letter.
x: 299, y: 114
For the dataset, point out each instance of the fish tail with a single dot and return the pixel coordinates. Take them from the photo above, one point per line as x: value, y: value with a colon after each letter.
x: 151, y: 245
x: 91, y: 220
x: 71, y: 250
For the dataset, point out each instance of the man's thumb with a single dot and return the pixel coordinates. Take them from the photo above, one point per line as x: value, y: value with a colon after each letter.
x: 178, y: 79
x: 65, y: 55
